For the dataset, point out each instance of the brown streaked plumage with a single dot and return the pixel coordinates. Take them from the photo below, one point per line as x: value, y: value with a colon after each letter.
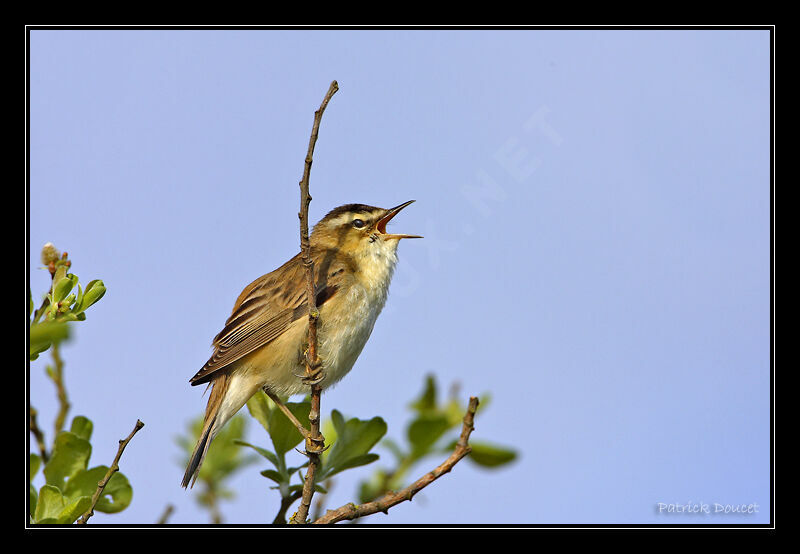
x: 262, y: 343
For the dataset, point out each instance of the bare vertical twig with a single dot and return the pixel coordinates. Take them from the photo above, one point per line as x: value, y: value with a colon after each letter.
x: 315, y: 442
x: 111, y: 471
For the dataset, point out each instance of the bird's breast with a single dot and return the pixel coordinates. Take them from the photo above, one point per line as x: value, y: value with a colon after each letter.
x: 345, y: 328
x: 350, y: 316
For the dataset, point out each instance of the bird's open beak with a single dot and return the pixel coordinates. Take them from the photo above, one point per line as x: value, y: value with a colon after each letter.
x: 381, y: 225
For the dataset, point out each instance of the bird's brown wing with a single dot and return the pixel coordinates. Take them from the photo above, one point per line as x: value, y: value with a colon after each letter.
x: 269, y: 305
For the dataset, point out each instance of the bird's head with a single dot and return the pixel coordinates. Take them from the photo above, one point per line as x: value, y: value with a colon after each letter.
x: 358, y: 230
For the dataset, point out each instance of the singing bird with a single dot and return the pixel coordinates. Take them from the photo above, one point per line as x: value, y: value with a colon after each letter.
x: 264, y: 341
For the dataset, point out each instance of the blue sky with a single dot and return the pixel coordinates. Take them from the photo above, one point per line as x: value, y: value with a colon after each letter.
x: 596, y: 213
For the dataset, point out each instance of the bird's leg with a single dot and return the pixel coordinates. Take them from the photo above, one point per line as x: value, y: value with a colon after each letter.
x: 314, y: 374
x: 288, y: 413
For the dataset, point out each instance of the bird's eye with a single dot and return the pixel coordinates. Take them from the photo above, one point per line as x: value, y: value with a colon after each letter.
x: 358, y: 224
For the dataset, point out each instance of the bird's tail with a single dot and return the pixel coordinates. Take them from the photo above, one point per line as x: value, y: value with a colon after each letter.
x: 211, y: 424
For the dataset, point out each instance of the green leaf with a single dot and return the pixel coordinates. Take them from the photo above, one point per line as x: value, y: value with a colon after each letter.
x: 424, y: 431
x: 34, y: 461
x: 42, y: 335
x: 70, y: 455
x: 49, y: 505
x: 116, y: 495
x: 78, y: 300
x: 355, y: 461
x: 427, y: 400
x: 258, y: 406
x: 490, y: 455
x: 74, y: 510
x: 275, y: 476
x: 355, y: 438
x: 485, y: 400
x: 84, y: 482
x: 53, y: 508
x: 338, y: 420
x: 82, y: 427
x: 284, y: 434
x: 329, y: 432
x: 454, y: 411
x: 63, y: 286
x: 69, y: 316
x: 263, y: 451
x: 66, y: 303
x: 33, y: 497
x: 372, y: 488
x: 94, y: 292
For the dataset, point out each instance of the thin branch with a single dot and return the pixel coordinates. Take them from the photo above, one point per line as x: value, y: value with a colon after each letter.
x: 111, y: 471
x: 37, y: 314
x: 286, y: 501
x: 212, y: 499
x: 305, y: 245
x: 319, y: 505
x: 166, y: 515
x: 287, y: 412
x: 37, y: 432
x: 390, y: 499
x: 57, y: 375
x: 315, y: 442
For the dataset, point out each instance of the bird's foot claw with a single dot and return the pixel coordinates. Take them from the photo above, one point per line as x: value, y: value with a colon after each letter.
x: 314, y: 374
x: 314, y: 378
x: 316, y: 445
x: 313, y: 364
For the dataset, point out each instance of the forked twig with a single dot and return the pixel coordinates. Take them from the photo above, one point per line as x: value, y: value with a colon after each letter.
x: 111, y: 471
x: 390, y: 499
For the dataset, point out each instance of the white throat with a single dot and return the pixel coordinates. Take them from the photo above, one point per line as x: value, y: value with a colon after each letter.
x: 376, y: 267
